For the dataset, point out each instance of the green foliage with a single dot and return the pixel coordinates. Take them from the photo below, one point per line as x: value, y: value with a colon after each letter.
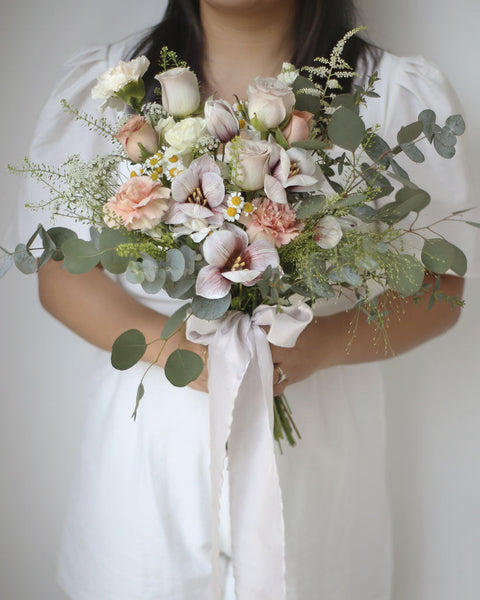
x: 205, y: 308
x: 24, y: 260
x: 80, y: 256
x: 183, y: 367
x: 346, y: 129
x: 111, y: 261
x: 439, y: 256
x: 175, y: 321
x: 6, y: 262
x: 310, y: 206
x: 405, y: 273
x: 128, y: 349
x: 59, y: 235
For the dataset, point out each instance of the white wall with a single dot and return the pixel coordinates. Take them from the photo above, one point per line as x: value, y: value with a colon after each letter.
x: 433, y: 399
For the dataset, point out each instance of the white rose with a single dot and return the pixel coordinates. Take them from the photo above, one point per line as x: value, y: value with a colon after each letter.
x: 164, y: 125
x: 269, y: 101
x: 252, y: 165
x: 115, y: 79
x: 183, y: 135
x: 180, y: 93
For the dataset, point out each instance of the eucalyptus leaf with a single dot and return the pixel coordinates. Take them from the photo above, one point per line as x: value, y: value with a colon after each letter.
x: 59, y: 235
x: 405, y: 274
x: 444, y: 151
x: 346, y: 129
x: 352, y: 200
x: 80, y: 256
x: 428, y: 118
x: 134, y: 272
x: 183, y: 367
x: 189, y: 256
x: 310, y: 206
x: 6, y: 262
x: 175, y: 263
x: 413, y: 199
x: 153, y: 287
x: 459, y: 261
x: 346, y: 100
x: 456, y: 124
x: 111, y: 261
x: 472, y: 223
x: 409, y: 133
x: 399, y: 171
x: 175, y: 321
x: 446, y: 137
x: 128, y: 349
x: 205, y: 308
x: 94, y: 236
x: 181, y: 289
x: 345, y: 274
x: 377, y: 149
x: 24, y: 260
x: 413, y: 152
x: 364, y: 212
x: 305, y: 101
x: 149, y: 266
x: 438, y: 255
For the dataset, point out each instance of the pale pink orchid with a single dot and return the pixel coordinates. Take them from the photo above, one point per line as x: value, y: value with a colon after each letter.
x: 293, y: 170
x: 198, y: 193
x: 231, y: 260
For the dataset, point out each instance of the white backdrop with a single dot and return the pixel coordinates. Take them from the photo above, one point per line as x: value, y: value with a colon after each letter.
x: 433, y: 398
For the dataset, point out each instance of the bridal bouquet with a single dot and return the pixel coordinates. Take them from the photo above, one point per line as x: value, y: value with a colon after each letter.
x: 273, y: 202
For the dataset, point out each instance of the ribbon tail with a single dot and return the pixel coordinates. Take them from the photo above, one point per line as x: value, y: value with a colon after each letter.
x: 257, y: 527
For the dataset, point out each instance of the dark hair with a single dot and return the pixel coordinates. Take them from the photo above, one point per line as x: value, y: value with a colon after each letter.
x: 319, y: 25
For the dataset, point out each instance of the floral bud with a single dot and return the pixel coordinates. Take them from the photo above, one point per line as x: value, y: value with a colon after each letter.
x: 270, y: 101
x: 328, y: 232
x: 137, y: 131
x: 221, y: 120
x: 180, y: 93
x: 298, y: 128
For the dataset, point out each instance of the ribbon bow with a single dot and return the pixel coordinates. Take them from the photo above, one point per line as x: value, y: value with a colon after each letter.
x: 240, y: 381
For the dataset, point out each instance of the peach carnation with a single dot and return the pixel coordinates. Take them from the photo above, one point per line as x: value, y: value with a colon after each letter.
x: 273, y: 221
x: 140, y: 203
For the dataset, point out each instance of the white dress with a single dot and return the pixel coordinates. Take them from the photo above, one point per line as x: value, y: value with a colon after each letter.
x: 138, y: 524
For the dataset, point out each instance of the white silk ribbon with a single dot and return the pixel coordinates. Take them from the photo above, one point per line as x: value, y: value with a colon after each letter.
x: 240, y: 381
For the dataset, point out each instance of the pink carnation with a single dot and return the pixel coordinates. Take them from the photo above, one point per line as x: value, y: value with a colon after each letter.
x: 140, y: 203
x: 274, y: 222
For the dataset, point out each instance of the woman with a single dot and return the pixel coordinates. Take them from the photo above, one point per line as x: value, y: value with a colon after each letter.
x: 137, y: 527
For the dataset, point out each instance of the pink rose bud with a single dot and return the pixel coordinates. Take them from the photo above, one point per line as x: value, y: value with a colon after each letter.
x: 140, y: 203
x: 270, y: 102
x: 137, y: 131
x: 298, y: 128
x: 180, y: 93
x: 221, y: 120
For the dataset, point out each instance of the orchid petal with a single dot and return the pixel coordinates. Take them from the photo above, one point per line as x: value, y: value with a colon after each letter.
x: 241, y: 275
x: 184, y: 185
x: 211, y: 284
x: 275, y: 190
x: 204, y: 164
x: 213, y: 188
x: 175, y: 215
x: 197, y: 211
x: 261, y: 254
x: 301, y: 181
x: 219, y: 247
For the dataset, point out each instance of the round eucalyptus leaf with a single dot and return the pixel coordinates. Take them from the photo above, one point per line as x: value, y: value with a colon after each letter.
x: 346, y: 129
x: 456, y: 124
x: 352, y: 200
x: 111, y: 261
x: 446, y: 137
x: 134, y: 272
x: 305, y: 101
x: 149, y: 267
x: 59, y: 235
x: 183, y: 367
x: 175, y: 321
x: 377, y: 149
x: 80, y: 256
x: 444, y: 151
x: 413, y: 152
x: 405, y: 274
x: 207, y: 309
x: 428, y: 118
x: 346, y: 100
x: 128, y: 349
x: 310, y: 206
x: 6, y: 262
x: 459, y: 262
x: 438, y: 255
x: 153, y: 287
x: 182, y: 289
x: 409, y: 133
x: 24, y: 260
x: 413, y: 199
x: 176, y: 264
x: 94, y: 236
x: 189, y: 256
x: 310, y: 144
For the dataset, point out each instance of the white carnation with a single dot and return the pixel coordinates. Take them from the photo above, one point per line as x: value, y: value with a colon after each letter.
x: 116, y: 78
